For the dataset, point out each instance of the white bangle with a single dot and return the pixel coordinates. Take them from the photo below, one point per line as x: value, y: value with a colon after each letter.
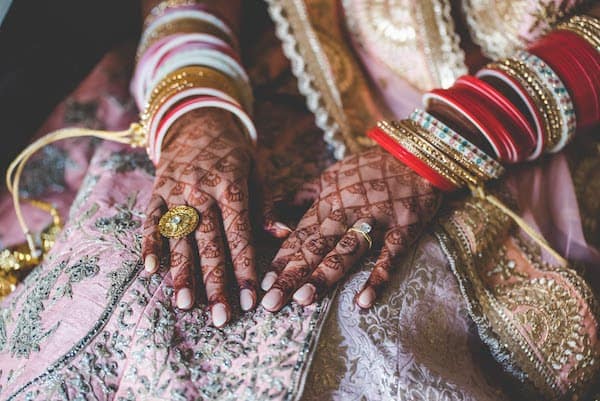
x: 179, y: 96
x: 197, y: 104
x: 147, y: 63
x: 207, y: 58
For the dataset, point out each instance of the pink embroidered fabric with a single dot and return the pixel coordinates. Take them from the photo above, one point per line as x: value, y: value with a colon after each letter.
x: 90, y: 324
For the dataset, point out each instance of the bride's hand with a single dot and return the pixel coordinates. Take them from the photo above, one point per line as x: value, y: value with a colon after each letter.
x: 373, y: 188
x: 205, y: 163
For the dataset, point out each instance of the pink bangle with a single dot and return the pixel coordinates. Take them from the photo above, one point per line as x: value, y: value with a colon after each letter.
x: 194, y: 103
x: 147, y: 63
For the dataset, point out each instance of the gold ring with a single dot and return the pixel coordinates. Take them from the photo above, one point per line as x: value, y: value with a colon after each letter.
x: 178, y: 222
x: 363, y: 229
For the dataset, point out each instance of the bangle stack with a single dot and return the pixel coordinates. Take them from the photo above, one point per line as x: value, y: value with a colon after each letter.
x: 514, y: 109
x: 187, y: 59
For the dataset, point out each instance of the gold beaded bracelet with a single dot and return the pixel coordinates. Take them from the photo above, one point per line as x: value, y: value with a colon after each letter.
x: 585, y: 26
x: 407, y: 127
x: 425, y: 153
x: 185, y: 78
x: 454, y: 154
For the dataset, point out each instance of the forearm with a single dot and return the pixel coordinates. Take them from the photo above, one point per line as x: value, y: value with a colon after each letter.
x: 230, y: 10
x: 188, y: 58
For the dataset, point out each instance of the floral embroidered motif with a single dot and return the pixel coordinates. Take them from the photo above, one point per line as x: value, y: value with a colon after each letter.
x: 45, y: 172
x: 82, y: 113
x: 28, y: 332
x: 125, y: 161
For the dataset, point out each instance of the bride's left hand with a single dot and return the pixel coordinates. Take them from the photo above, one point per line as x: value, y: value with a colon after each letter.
x: 373, y: 188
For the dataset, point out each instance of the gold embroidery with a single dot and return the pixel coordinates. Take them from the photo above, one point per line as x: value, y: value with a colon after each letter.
x: 502, y: 27
x: 334, y: 84
x: 538, y: 319
x: 415, y: 39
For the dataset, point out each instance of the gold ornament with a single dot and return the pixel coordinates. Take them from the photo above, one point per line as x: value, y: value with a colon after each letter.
x: 178, y: 222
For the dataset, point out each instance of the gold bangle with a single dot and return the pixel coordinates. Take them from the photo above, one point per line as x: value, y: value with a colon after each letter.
x: 185, y: 78
x: 540, y: 95
x: 184, y: 25
x: 215, y: 79
x: 435, y: 155
x: 407, y: 141
x: 586, y: 35
x: 454, y: 154
x: 585, y: 26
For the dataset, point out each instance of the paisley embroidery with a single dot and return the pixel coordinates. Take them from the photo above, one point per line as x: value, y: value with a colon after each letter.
x: 28, y: 332
x: 539, y: 320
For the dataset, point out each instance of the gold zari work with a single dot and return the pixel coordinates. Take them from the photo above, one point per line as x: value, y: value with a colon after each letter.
x: 502, y: 27
x: 535, y: 317
x: 414, y: 39
x: 336, y: 90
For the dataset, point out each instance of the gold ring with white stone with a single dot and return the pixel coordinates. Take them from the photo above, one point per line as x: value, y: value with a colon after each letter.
x: 178, y: 222
x: 363, y: 229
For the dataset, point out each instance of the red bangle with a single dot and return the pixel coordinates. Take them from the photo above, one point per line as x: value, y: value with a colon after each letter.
x: 512, y: 84
x: 492, y: 121
x: 410, y: 160
x: 519, y: 129
x: 577, y: 63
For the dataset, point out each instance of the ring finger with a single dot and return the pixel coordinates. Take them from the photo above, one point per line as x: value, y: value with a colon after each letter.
x: 348, y: 251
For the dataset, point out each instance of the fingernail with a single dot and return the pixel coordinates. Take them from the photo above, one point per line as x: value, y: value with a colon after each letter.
x: 272, y: 300
x: 246, y: 299
x: 184, y: 298
x: 281, y: 227
x: 150, y: 263
x: 305, y: 295
x: 366, y: 298
x: 219, y: 314
x: 268, y: 281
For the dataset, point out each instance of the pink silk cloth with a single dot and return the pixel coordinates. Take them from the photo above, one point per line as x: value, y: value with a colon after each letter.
x: 90, y: 324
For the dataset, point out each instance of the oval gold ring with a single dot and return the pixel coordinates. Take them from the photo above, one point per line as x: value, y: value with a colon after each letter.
x: 178, y: 222
x: 363, y: 229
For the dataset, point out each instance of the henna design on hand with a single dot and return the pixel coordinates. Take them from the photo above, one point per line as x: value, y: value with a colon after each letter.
x: 205, y: 163
x: 370, y: 187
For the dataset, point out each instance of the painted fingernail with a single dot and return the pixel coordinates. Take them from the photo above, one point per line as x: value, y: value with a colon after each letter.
x: 268, y: 281
x: 272, y: 300
x: 246, y: 299
x: 219, y: 314
x: 150, y: 263
x: 366, y: 298
x: 305, y: 295
x: 184, y: 298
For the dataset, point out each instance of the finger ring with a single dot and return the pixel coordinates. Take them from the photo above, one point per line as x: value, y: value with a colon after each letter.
x: 363, y: 229
x: 178, y: 222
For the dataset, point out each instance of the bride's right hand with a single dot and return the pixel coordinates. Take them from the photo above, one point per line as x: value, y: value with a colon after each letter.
x: 205, y: 163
